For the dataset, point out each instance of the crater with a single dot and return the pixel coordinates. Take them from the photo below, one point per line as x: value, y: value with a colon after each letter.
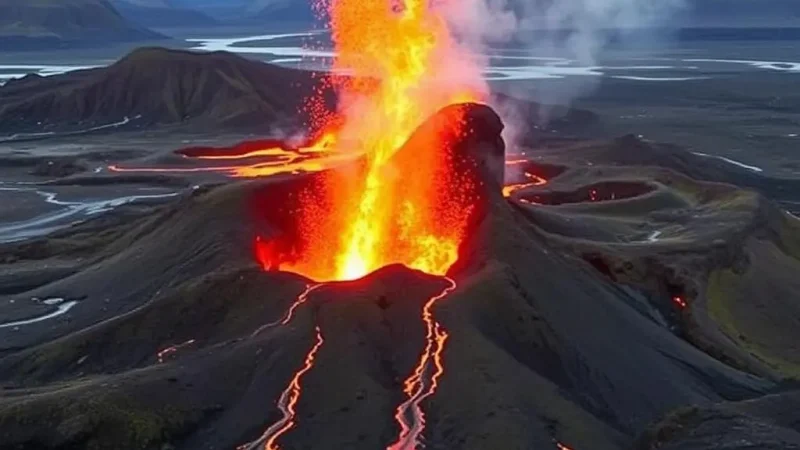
x: 594, y: 193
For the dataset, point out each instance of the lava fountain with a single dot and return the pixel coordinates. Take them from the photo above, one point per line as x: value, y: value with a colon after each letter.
x: 403, y: 66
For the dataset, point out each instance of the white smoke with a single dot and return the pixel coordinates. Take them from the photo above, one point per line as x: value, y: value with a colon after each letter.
x: 577, y: 32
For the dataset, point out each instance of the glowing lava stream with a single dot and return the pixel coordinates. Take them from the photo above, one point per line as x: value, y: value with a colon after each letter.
x: 536, y: 180
x: 287, y: 403
x: 325, y: 143
x: 302, y: 298
x: 416, y: 387
x: 293, y: 163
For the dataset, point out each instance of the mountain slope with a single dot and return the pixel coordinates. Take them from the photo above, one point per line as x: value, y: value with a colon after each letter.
x: 159, y: 86
x: 59, y: 22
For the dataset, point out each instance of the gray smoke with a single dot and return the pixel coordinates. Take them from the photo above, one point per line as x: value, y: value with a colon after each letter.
x: 579, y: 31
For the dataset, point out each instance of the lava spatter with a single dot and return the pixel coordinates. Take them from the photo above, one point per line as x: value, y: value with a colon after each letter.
x: 287, y: 403
x: 425, y: 379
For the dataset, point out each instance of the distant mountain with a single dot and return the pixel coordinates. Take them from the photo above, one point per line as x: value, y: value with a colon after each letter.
x: 296, y: 11
x: 162, y: 14
x: 741, y: 13
x: 56, y: 23
x: 158, y: 86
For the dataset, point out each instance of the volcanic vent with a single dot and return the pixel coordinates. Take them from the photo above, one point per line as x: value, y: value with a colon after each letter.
x: 421, y: 216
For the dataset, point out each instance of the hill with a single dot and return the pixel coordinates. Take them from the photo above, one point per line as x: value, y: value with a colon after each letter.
x: 58, y: 23
x: 158, y: 86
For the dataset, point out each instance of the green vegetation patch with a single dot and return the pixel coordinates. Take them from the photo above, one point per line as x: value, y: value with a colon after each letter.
x: 724, y: 287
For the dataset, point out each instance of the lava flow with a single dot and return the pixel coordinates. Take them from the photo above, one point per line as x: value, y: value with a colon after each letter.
x: 280, y: 159
x: 534, y: 180
x: 302, y: 298
x: 287, y: 403
x: 409, y: 414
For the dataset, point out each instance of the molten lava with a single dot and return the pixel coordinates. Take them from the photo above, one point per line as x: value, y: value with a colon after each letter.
x: 287, y: 403
x: 534, y: 180
x: 278, y: 159
x: 411, y: 53
x: 299, y: 301
x: 409, y: 414
x: 403, y: 65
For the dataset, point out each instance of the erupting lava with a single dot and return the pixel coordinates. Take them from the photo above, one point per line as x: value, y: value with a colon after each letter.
x: 402, y: 65
x: 408, y: 48
x: 410, y: 207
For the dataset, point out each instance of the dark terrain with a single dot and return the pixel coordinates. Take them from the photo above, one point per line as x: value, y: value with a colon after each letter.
x: 156, y: 86
x: 48, y: 24
x: 645, y: 297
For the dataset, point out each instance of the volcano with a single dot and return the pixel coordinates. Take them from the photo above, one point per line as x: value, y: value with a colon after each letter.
x: 556, y: 328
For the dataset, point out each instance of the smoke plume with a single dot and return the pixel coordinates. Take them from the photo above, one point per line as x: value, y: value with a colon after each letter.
x: 556, y: 33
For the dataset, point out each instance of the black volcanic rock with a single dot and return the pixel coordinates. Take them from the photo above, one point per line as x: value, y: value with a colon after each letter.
x: 160, y: 86
x: 57, y: 23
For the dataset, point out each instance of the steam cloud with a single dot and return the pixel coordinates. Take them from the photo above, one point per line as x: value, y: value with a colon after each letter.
x: 577, y: 30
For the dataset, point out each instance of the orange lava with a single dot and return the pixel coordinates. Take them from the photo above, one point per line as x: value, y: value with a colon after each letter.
x: 409, y: 414
x: 561, y: 446
x: 402, y: 61
x: 313, y: 158
x: 287, y: 403
x: 679, y: 302
x: 403, y: 66
x: 301, y: 299
x: 324, y: 144
x: 535, y: 180
x: 514, y: 162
